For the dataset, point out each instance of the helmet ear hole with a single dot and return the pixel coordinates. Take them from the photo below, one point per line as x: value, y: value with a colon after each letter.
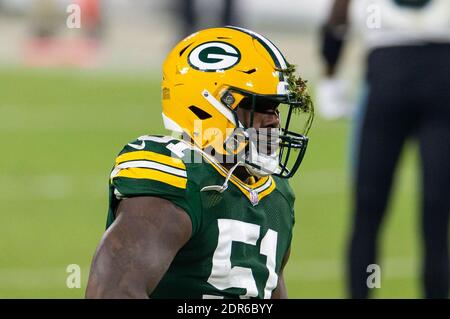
x: 202, y: 115
x: 250, y: 71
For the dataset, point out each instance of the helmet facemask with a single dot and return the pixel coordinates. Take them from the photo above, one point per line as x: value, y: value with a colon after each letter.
x: 275, y: 151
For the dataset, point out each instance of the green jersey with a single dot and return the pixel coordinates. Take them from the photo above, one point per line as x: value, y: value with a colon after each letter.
x: 239, y: 236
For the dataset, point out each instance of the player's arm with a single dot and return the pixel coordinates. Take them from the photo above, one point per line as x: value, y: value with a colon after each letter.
x: 333, y: 34
x: 331, y: 95
x: 138, y: 248
x: 281, y: 292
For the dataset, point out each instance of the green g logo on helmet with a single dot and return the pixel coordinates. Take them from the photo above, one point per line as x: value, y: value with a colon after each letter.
x: 213, y: 56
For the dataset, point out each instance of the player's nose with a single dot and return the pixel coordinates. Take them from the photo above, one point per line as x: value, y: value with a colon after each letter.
x: 271, y: 120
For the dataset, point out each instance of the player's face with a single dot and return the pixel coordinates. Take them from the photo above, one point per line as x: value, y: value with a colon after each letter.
x: 266, y: 121
x: 266, y: 115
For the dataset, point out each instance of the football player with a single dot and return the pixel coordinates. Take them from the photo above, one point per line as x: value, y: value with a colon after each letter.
x: 407, y: 96
x: 210, y: 215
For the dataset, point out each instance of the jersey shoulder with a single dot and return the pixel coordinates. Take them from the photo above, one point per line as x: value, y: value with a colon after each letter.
x: 153, y: 166
x: 148, y: 162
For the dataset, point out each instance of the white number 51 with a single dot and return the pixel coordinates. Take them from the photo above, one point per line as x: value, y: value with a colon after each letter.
x: 223, y: 276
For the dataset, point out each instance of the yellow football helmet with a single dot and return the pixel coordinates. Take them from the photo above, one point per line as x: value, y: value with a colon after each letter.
x: 209, y: 74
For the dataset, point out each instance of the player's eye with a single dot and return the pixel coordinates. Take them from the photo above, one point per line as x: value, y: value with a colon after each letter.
x: 262, y: 105
x: 267, y: 108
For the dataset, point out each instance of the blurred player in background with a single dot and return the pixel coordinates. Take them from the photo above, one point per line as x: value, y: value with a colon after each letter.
x: 189, y: 15
x: 408, y: 96
x: 53, y: 43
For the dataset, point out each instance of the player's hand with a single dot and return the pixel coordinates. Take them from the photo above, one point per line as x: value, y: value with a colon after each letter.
x: 332, y: 102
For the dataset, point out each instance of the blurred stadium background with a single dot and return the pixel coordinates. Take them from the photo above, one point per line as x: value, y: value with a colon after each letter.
x: 67, y: 107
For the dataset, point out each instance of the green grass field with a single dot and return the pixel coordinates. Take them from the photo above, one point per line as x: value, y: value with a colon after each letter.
x: 59, y: 134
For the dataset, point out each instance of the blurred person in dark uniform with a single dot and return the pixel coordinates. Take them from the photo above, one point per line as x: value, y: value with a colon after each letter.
x: 408, y: 96
x: 189, y: 16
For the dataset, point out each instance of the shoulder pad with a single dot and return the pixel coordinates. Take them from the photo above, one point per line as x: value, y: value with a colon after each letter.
x: 149, y: 157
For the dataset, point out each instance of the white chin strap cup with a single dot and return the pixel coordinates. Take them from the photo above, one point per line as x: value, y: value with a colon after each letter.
x: 269, y: 164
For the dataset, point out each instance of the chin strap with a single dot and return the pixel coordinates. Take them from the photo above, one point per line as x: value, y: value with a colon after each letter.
x: 224, y: 187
